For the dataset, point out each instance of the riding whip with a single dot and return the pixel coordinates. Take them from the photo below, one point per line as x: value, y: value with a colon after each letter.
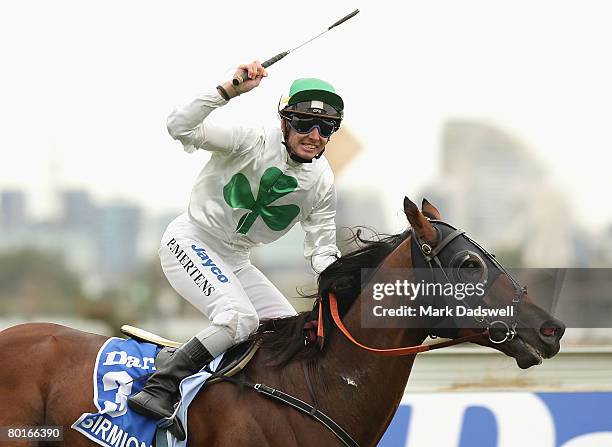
x: 244, y: 75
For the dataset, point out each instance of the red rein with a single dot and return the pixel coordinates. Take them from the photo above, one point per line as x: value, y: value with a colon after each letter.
x: 392, y: 352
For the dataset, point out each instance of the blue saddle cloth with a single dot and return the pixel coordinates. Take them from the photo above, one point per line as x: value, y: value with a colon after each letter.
x: 121, y: 369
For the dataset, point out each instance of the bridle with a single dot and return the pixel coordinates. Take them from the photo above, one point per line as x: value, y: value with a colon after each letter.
x: 430, y: 256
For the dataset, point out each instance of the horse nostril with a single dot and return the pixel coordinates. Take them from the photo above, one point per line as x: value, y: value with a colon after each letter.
x: 552, y: 329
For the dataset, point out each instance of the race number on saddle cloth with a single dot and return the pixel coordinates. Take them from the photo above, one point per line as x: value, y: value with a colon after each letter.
x: 120, y: 367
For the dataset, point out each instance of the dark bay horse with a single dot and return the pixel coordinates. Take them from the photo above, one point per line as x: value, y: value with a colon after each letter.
x: 46, y: 369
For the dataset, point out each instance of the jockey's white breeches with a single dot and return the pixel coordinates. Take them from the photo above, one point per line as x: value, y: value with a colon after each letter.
x: 233, y: 297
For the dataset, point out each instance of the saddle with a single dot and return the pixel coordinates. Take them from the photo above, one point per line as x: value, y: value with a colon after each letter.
x: 234, y: 359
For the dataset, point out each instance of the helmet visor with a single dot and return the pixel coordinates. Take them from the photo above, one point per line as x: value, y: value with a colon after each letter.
x: 314, y: 108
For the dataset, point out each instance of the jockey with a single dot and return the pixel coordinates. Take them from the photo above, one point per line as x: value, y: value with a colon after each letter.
x: 257, y: 184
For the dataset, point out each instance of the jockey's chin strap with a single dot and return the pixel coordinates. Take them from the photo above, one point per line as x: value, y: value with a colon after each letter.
x: 391, y: 352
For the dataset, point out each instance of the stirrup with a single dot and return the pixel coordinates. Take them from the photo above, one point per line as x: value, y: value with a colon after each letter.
x: 174, y: 426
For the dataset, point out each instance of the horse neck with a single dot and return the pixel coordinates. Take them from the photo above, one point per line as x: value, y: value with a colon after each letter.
x: 373, y: 384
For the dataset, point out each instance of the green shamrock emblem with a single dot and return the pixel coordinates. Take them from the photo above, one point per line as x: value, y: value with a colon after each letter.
x: 272, y: 186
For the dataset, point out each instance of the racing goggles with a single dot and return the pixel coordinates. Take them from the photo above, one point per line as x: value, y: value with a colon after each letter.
x: 305, y: 124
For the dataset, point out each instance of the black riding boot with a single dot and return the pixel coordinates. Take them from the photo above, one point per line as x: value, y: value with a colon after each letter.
x: 161, y: 392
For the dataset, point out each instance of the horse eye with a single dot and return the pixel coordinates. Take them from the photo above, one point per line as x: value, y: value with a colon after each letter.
x: 471, y: 270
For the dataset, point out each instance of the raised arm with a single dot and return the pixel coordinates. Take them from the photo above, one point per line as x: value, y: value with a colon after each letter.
x: 189, y: 124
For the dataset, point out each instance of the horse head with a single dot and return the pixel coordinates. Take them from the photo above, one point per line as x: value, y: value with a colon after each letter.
x: 447, y: 254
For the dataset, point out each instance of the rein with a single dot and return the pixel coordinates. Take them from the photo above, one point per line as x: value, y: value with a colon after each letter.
x: 392, y: 352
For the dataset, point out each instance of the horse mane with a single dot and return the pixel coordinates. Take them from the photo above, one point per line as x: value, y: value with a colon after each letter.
x: 285, y: 336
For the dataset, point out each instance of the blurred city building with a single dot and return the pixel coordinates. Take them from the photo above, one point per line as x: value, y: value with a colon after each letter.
x: 99, y: 242
x: 118, y: 230
x: 12, y: 209
x: 79, y: 213
x: 493, y: 186
x: 77, y: 235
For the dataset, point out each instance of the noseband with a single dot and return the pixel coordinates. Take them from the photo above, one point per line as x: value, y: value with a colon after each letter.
x: 431, y: 257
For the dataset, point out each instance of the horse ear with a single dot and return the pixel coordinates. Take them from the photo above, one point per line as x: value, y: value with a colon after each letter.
x: 430, y: 211
x: 419, y: 222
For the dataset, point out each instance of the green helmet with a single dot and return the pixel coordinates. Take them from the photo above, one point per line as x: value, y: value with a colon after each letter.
x: 312, y: 97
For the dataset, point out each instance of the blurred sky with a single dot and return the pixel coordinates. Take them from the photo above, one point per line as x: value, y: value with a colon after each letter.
x: 86, y: 88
